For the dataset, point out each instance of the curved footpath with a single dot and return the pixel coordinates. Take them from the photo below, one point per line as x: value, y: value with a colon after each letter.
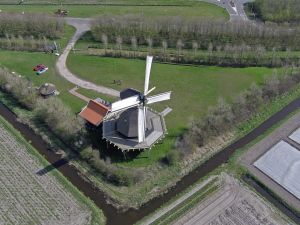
x: 82, y: 26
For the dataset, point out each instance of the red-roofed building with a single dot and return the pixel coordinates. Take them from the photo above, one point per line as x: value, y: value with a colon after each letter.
x: 94, y: 112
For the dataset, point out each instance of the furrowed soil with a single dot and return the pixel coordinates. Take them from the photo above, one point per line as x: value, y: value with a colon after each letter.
x: 29, y: 198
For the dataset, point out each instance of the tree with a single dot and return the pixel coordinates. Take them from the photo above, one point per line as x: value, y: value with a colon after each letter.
x: 104, y: 40
x: 134, y: 44
x: 119, y: 42
x: 179, y: 46
x: 195, y: 47
x: 150, y: 43
x: 164, y: 48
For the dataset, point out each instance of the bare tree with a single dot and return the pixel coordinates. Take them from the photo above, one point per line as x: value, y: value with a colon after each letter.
x: 119, y: 42
x: 179, y: 46
x: 195, y: 47
x: 150, y: 43
x: 104, y: 41
x: 164, y: 48
x: 134, y: 44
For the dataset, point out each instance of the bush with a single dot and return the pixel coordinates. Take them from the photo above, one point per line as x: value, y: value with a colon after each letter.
x: 86, y: 153
x: 173, y: 157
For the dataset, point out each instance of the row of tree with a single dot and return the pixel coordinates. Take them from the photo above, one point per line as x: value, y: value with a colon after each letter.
x: 57, y: 116
x: 225, y: 117
x: 139, y: 30
x: 10, y: 42
x: 27, y: 25
x: 228, y: 55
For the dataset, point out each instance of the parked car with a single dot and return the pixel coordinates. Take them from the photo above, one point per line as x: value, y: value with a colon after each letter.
x: 39, y: 67
x: 39, y: 72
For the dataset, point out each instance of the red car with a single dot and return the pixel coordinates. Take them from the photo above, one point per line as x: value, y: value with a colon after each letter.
x: 39, y: 67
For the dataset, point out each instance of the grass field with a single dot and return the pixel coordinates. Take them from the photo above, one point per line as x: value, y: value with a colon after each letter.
x: 139, y: 2
x: 28, y: 198
x: 191, y: 10
x: 194, y: 88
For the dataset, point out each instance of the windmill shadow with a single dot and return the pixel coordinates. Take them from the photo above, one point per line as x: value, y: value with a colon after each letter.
x: 107, y: 150
x: 59, y: 163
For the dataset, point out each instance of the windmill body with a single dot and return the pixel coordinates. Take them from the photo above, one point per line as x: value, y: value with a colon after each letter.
x: 131, y: 123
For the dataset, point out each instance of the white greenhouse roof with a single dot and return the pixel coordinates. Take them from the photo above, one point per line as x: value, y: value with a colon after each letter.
x: 282, y: 164
x: 295, y: 136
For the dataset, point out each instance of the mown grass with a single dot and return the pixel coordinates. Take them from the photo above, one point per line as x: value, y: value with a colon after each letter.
x: 194, y: 89
x: 97, y: 215
x: 191, y: 10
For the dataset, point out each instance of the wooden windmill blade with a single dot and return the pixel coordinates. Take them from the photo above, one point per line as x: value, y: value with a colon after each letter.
x: 141, y: 124
x: 159, y: 98
x: 125, y: 103
x: 147, y: 74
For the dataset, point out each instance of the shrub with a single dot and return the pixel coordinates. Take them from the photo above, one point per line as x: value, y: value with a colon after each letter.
x: 173, y: 157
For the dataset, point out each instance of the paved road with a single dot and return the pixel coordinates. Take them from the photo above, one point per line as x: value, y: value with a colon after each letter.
x: 236, y: 10
x: 82, y: 25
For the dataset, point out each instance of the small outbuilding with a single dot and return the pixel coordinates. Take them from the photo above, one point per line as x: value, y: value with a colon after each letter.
x: 94, y: 112
x: 47, y: 89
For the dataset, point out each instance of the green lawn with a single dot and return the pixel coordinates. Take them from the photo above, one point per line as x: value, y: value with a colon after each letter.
x: 138, y: 2
x: 23, y: 63
x: 194, y: 88
x: 192, y: 10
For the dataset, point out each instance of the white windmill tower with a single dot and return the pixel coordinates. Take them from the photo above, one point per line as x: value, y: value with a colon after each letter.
x: 130, y: 123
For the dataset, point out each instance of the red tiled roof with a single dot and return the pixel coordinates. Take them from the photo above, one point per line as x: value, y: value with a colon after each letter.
x: 94, y: 112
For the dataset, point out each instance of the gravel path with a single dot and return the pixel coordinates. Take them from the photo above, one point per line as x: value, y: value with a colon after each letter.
x: 82, y: 26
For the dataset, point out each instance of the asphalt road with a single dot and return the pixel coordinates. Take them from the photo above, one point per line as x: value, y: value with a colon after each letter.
x: 235, y: 10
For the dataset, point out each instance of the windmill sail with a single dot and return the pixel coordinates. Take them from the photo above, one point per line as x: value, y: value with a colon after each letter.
x: 125, y: 103
x: 147, y: 75
x: 141, y: 124
x: 158, y: 98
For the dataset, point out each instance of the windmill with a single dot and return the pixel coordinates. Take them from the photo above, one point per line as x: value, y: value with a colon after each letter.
x: 56, y: 48
x: 130, y: 122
